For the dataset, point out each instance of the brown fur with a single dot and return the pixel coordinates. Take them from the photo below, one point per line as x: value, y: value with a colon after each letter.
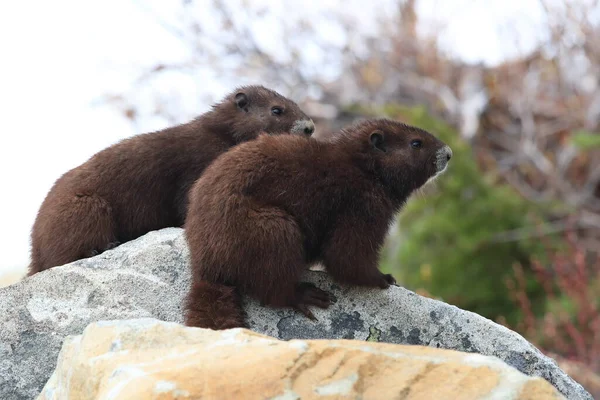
x: 141, y: 183
x: 263, y: 211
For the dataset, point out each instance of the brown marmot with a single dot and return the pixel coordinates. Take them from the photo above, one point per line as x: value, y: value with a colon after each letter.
x: 140, y: 184
x: 263, y: 211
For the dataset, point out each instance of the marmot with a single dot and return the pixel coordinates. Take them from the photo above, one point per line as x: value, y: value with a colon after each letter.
x: 263, y: 211
x: 140, y: 184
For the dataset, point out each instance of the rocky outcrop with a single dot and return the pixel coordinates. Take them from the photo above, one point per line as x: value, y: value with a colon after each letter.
x: 150, y: 359
x: 148, y: 277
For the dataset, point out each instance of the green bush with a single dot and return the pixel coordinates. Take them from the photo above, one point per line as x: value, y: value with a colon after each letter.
x: 586, y: 140
x: 450, y: 241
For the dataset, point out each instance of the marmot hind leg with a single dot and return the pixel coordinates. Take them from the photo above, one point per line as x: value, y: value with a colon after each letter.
x: 308, y: 294
x: 263, y: 258
x: 67, y: 231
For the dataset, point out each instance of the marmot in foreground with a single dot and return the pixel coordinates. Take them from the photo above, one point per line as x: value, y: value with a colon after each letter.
x: 263, y: 211
x: 140, y: 184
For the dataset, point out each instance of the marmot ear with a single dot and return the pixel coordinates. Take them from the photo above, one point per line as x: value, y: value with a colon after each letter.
x: 376, y: 139
x: 242, y: 101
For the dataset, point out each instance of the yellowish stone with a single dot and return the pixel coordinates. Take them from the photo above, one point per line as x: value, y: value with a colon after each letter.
x: 148, y: 359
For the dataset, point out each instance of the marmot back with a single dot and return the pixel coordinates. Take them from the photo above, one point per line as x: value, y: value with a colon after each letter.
x: 263, y: 211
x: 140, y: 184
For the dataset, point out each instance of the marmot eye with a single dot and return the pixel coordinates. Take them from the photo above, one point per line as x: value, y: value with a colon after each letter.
x: 277, y: 110
x: 416, y: 144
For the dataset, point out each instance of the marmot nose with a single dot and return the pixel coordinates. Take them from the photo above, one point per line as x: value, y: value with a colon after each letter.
x: 309, y: 127
x: 304, y: 126
x: 448, y: 152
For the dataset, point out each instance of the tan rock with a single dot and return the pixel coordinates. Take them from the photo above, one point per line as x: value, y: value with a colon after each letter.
x: 8, y: 278
x: 149, y: 359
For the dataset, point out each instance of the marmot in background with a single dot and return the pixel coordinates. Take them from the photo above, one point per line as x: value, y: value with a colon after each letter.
x: 140, y: 184
x: 263, y: 211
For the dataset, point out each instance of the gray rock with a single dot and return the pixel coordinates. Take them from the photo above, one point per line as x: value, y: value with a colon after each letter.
x: 149, y: 277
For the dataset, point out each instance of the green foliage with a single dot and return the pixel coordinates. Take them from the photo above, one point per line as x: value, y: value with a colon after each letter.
x: 586, y: 140
x: 452, y: 241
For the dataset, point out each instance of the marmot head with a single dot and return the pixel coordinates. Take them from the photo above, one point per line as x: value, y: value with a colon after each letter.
x: 404, y: 157
x: 250, y: 110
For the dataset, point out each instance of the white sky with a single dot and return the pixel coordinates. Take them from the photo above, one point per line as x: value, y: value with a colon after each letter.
x: 58, y: 56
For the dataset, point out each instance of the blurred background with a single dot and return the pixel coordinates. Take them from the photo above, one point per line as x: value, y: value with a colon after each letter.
x: 512, y: 231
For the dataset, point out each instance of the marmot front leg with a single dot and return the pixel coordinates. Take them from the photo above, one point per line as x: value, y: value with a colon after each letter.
x: 351, y: 255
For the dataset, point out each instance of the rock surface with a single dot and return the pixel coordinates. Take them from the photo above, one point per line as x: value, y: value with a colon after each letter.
x: 150, y: 359
x: 148, y: 277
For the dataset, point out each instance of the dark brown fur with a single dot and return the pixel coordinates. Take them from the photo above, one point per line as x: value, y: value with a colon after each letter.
x: 141, y: 183
x: 263, y: 211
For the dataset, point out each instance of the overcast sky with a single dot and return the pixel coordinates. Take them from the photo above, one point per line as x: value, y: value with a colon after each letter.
x: 59, y: 56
